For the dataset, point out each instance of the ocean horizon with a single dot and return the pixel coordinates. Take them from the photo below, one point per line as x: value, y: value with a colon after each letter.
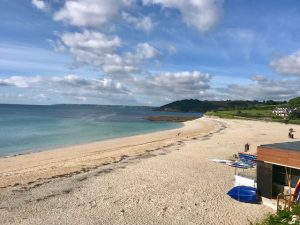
x: 32, y: 128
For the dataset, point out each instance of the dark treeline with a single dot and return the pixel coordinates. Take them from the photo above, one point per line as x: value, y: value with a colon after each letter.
x: 194, y: 105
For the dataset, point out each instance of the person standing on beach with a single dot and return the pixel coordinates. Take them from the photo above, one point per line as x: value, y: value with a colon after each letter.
x: 247, y: 146
x: 291, y: 135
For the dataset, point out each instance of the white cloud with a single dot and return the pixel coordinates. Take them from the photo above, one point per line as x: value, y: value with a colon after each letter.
x: 65, y: 83
x: 289, y: 65
x: 145, y: 51
x: 92, y: 41
x: 163, y: 87
x: 66, y: 89
x: 40, y: 4
x: 144, y: 23
x: 129, y: 62
x: 19, y: 81
x: 90, y: 13
x: 261, y: 88
x: 158, y: 88
x: 171, y: 49
x: 103, y: 52
x: 82, y: 98
x: 172, y: 86
x: 201, y: 14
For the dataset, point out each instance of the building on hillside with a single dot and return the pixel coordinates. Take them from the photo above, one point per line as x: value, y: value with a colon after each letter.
x: 282, y: 112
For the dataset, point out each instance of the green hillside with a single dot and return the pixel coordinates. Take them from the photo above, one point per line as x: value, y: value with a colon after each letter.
x: 194, y: 105
x: 239, y: 109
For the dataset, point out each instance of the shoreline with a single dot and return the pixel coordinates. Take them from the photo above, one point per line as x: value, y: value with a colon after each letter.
x: 19, y: 168
x: 158, y: 178
x: 28, y: 152
x: 177, y: 119
x: 87, y: 143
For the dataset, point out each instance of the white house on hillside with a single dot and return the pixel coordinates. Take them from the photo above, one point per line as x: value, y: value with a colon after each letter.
x: 283, y: 111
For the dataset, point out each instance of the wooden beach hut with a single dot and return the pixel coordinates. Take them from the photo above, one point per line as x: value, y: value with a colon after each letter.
x: 278, y: 168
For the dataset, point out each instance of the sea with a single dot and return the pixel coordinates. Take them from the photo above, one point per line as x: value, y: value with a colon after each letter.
x: 31, y: 128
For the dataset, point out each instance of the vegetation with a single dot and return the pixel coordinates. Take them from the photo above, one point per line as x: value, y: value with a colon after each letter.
x: 194, y: 105
x: 255, y: 114
x: 252, y: 113
x: 189, y: 106
x: 262, y: 112
x: 295, y: 114
x: 294, y: 102
x: 258, y: 110
x: 283, y: 217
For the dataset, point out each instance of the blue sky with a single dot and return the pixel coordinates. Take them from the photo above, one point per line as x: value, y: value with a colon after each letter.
x: 148, y: 52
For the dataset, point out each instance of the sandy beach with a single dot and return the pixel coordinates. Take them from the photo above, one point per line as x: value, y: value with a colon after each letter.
x: 159, y: 178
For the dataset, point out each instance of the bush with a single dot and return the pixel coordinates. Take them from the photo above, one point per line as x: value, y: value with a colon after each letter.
x: 294, y: 102
x: 283, y: 217
x: 295, y: 114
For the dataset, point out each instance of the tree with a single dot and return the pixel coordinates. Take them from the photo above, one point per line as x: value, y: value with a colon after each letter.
x: 295, y: 114
x: 294, y: 102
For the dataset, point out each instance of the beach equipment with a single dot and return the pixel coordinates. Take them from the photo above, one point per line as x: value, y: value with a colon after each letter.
x: 246, y: 161
x: 247, y: 157
x: 245, y: 179
x: 224, y: 161
x: 241, y: 165
x: 236, y: 164
x: 244, y: 194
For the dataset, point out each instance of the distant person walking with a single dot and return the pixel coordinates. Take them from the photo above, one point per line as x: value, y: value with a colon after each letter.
x: 247, y: 146
x: 291, y: 135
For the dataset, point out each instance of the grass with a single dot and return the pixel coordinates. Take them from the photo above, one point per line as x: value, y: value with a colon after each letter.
x: 257, y: 113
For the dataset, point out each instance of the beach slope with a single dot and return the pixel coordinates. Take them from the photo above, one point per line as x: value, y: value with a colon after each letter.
x: 159, y: 178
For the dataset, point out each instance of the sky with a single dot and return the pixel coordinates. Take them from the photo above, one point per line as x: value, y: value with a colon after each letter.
x: 148, y: 52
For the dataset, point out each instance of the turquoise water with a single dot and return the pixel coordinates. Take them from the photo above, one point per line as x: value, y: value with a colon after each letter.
x: 25, y: 128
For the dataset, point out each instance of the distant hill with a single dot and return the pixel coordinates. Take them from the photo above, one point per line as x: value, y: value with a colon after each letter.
x: 194, y: 105
x: 191, y: 105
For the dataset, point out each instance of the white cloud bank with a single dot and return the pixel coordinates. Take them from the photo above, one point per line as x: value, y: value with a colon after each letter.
x: 90, y: 13
x: 261, y: 88
x: 102, y: 51
x: 161, y: 88
x: 40, y: 4
x: 201, y: 14
x: 288, y: 65
x: 157, y: 89
x: 92, y: 45
x: 174, y: 84
x: 65, y: 83
x: 144, y: 23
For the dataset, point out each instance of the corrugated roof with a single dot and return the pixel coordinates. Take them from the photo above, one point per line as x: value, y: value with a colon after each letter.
x: 289, y: 146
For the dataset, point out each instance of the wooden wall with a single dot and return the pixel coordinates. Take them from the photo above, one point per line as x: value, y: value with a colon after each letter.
x: 279, y: 156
